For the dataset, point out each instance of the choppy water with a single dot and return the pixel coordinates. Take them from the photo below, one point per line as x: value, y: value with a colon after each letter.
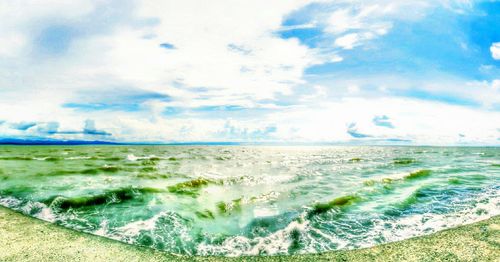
x: 236, y: 200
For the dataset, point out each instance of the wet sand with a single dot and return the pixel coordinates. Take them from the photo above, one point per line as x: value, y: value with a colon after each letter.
x: 28, y: 239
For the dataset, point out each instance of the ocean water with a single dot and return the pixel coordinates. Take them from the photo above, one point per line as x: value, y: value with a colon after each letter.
x: 252, y: 200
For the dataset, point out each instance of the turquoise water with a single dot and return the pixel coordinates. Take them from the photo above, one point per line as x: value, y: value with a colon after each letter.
x: 239, y: 200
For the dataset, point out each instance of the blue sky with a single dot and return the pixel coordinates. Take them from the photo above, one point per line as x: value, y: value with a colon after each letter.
x: 375, y: 72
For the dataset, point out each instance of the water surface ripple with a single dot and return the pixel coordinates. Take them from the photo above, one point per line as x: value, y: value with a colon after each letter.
x: 252, y: 200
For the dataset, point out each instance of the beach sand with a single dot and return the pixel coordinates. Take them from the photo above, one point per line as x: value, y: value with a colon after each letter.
x: 28, y: 239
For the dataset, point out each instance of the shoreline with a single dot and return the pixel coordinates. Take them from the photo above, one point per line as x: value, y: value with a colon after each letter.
x: 24, y: 238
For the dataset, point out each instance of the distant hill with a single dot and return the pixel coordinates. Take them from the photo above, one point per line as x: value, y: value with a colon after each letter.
x: 17, y: 141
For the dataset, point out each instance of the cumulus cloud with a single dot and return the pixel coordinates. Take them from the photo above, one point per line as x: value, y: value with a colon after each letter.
x: 383, y: 121
x: 495, y: 51
x: 90, y: 129
x: 241, y: 131
x: 195, y: 71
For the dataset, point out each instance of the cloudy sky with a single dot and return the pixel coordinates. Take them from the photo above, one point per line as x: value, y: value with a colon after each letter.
x: 380, y: 72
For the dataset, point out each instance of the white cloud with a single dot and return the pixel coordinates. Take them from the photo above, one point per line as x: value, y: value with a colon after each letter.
x: 495, y: 51
x: 203, y: 41
x: 20, y: 17
x: 202, y: 35
x: 359, y: 21
x: 495, y: 84
x: 353, y: 89
x: 358, y: 18
x: 11, y: 43
x: 487, y: 93
x: 420, y: 121
x: 130, y: 55
x: 347, y: 41
x: 230, y: 51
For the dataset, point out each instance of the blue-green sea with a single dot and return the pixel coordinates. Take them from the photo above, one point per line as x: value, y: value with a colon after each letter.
x: 252, y: 200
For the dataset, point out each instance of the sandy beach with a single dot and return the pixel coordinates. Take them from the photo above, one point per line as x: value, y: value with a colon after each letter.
x: 29, y: 239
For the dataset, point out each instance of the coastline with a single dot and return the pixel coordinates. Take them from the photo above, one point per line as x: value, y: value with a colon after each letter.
x: 23, y: 238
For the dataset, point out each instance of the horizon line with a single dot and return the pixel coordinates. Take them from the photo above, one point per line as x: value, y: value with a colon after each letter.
x: 42, y: 142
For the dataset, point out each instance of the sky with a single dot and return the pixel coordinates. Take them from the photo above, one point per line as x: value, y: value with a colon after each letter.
x: 410, y: 72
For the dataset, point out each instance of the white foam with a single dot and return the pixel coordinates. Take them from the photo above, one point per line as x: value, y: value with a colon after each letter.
x: 275, y: 243
x: 132, y: 157
x: 488, y: 205
x: 133, y: 229
x: 175, y: 234
x: 265, y: 211
x: 315, y: 240
x: 77, y: 157
x: 103, y: 228
x: 44, y: 212
x: 10, y: 202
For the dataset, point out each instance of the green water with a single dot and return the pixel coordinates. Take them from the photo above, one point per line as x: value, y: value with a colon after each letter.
x: 238, y: 200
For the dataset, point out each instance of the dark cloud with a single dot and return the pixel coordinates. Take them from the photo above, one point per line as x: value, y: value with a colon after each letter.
x: 167, y: 46
x: 90, y: 129
x: 48, y: 128
x: 23, y: 126
x: 353, y: 131
x: 397, y: 140
x: 52, y: 128
x: 383, y: 121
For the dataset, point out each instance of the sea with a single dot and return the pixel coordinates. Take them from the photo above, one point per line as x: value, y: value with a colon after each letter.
x: 252, y: 200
